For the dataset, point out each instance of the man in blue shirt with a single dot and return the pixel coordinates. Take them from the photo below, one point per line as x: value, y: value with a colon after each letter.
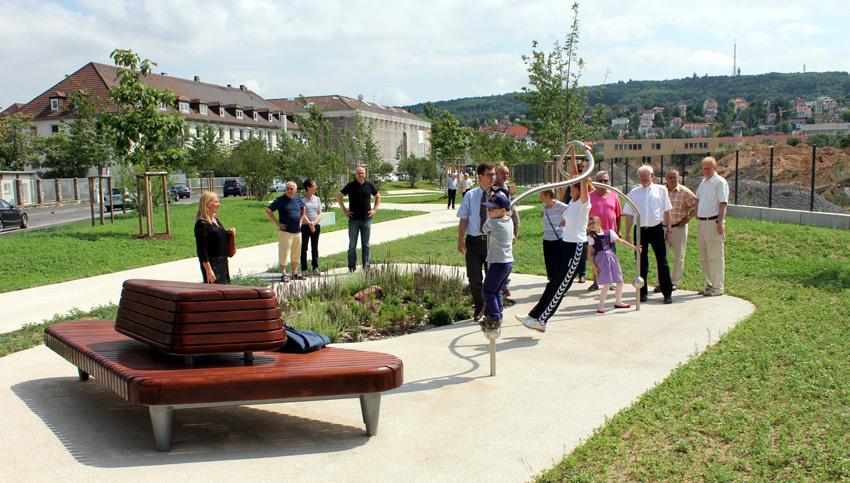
x: 290, y: 210
x: 471, y: 240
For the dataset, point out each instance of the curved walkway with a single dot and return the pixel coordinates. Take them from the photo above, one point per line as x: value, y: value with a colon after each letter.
x: 450, y: 421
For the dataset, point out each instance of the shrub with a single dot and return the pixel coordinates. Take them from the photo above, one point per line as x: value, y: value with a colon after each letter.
x: 442, y: 315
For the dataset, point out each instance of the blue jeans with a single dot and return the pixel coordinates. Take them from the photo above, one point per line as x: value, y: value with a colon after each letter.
x: 364, y: 228
x: 491, y: 289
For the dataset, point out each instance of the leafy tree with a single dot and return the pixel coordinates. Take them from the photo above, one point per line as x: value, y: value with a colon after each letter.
x: 842, y: 141
x: 140, y: 129
x: 556, y: 103
x: 414, y: 167
x: 18, y: 147
x: 89, y: 143
x: 256, y: 166
x: 449, y: 137
x: 820, y: 140
x: 205, y: 152
x: 56, y: 151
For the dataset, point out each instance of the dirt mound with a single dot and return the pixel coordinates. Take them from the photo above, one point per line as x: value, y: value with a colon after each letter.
x: 791, y: 165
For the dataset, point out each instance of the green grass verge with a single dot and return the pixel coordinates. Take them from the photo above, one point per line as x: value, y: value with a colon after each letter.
x: 79, y: 250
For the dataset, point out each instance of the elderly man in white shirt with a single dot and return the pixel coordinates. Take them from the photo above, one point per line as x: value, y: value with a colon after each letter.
x: 712, y: 197
x: 653, y: 204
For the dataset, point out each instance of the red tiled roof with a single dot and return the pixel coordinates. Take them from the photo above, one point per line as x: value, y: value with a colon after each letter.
x: 293, y: 105
x: 98, y: 78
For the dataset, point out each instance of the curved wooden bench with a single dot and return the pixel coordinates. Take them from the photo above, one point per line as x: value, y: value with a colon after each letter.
x: 162, y: 382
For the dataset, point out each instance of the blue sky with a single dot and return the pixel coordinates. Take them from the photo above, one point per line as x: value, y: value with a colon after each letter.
x: 411, y: 51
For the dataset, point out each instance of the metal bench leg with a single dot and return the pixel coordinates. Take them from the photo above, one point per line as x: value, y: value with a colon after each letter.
x: 161, y: 422
x: 370, y: 406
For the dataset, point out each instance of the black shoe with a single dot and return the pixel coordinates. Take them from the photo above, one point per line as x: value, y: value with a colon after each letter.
x: 643, y: 298
x: 668, y: 300
x: 479, y: 314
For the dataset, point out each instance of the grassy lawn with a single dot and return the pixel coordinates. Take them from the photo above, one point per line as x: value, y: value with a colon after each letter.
x: 769, y: 402
x: 79, y: 250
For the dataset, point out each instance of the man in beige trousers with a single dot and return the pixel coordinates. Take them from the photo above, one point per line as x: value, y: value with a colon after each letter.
x: 712, y: 198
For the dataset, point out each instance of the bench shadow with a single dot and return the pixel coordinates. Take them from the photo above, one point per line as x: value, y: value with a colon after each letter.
x: 99, y: 429
x: 475, y: 341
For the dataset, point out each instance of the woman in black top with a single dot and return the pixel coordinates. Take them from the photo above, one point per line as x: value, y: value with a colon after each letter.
x: 211, y: 240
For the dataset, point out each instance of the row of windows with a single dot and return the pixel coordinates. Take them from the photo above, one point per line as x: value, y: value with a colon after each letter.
x: 696, y: 145
x: 204, y: 111
x: 656, y: 146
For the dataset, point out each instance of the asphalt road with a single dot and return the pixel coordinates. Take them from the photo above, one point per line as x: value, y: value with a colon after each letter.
x: 40, y: 218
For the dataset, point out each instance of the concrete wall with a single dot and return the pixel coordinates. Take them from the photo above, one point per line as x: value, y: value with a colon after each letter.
x: 829, y: 220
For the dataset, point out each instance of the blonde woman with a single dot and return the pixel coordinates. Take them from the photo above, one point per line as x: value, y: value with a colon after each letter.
x: 211, y: 240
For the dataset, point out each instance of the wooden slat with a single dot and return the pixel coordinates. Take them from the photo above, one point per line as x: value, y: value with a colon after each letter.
x: 145, y: 377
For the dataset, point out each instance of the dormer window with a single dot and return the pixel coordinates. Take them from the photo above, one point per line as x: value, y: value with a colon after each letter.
x: 184, y: 107
x: 239, y: 114
x: 256, y: 116
x: 271, y: 117
x: 221, y: 111
x: 54, y: 104
x: 203, y: 109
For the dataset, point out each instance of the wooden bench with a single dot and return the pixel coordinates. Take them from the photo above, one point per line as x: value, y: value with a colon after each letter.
x: 163, y: 382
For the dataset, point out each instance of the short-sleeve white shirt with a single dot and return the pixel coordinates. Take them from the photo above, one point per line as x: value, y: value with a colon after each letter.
x: 575, y: 221
x: 710, y: 193
x: 651, y: 203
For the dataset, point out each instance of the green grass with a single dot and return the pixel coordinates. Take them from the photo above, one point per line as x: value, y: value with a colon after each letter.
x: 79, y: 250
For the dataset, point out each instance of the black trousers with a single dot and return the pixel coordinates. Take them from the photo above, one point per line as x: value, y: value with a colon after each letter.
x: 476, y: 260
x: 653, y: 236
x: 559, y: 283
x: 553, y: 252
x: 452, y: 195
x: 313, y: 238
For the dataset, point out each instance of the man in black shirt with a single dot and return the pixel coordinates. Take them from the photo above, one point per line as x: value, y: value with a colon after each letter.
x: 359, y: 215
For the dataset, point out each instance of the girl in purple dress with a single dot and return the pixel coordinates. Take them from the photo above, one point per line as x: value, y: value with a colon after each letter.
x: 606, y: 268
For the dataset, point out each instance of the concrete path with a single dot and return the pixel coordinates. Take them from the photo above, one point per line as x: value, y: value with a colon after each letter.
x: 450, y: 421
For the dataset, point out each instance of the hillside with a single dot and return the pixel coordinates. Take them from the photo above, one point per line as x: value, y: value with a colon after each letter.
x: 809, y: 85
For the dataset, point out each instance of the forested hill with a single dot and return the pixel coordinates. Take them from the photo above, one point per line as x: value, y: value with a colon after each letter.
x: 809, y: 85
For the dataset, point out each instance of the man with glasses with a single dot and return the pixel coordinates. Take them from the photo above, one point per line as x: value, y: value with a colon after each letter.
x: 290, y: 210
x: 471, y: 240
x: 359, y: 215
x: 606, y: 205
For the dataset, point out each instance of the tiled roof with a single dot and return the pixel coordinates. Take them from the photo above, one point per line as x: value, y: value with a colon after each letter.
x: 98, y: 78
x: 339, y: 103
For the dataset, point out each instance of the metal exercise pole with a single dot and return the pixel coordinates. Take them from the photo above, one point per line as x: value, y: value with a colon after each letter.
x: 737, y: 152
x: 812, y: 199
x: 770, y: 185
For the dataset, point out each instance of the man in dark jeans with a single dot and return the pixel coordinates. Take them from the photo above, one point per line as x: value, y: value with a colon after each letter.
x: 359, y: 215
x: 471, y: 240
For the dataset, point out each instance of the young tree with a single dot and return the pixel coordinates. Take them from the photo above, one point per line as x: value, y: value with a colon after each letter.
x: 140, y: 129
x: 18, y: 147
x: 447, y: 135
x: 557, y: 104
x: 89, y: 141
x: 255, y: 165
x: 205, y: 152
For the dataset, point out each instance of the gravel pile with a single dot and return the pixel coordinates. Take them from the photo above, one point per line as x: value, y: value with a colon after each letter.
x: 787, y: 196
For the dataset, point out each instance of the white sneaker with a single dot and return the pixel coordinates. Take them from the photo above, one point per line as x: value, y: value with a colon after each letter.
x: 531, y: 323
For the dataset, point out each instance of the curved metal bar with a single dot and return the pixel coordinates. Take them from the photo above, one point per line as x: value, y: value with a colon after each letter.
x: 637, y: 282
x: 568, y: 182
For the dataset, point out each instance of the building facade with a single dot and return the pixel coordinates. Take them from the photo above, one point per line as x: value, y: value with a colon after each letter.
x: 393, y: 127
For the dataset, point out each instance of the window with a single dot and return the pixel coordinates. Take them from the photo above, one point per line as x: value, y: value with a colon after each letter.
x: 221, y: 111
x: 54, y: 104
x: 203, y: 109
x: 161, y: 105
x: 184, y: 107
x: 271, y: 117
x: 239, y: 114
x: 54, y: 129
x: 656, y: 146
x: 256, y: 116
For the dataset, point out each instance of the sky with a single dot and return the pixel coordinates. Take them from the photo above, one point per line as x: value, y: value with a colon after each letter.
x: 404, y: 52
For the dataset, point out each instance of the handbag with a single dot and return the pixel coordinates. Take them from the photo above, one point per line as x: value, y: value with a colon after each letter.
x: 231, y: 244
x: 302, y: 341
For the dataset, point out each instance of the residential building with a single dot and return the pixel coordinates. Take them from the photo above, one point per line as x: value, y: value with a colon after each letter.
x: 741, y: 104
x: 394, y: 127
x: 830, y: 129
x: 697, y: 129
x: 237, y: 113
x: 709, y: 106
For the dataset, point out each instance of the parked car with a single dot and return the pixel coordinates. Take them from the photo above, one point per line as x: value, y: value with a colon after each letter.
x: 116, y: 200
x: 180, y: 190
x: 277, y: 186
x: 11, y: 215
x: 234, y: 187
